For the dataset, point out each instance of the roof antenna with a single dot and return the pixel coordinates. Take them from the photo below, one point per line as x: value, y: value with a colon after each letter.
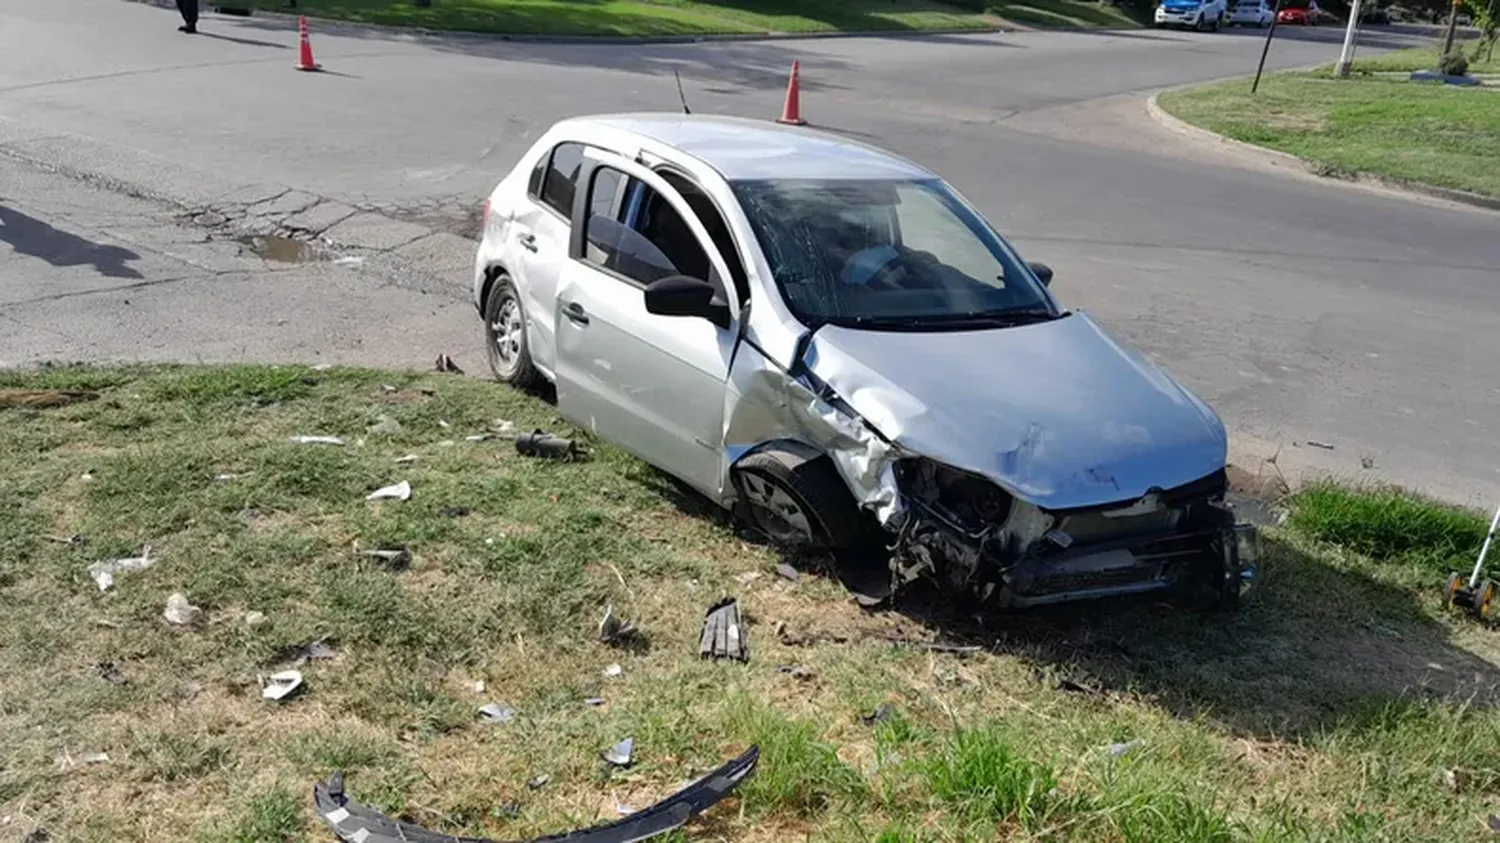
x: 680, y: 94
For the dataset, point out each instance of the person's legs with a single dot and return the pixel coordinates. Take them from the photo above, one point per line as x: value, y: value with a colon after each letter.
x: 189, y: 11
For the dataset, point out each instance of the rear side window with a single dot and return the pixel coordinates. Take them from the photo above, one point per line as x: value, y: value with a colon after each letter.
x: 560, y: 182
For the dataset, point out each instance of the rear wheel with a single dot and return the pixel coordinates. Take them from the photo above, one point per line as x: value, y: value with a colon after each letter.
x: 505, y: 343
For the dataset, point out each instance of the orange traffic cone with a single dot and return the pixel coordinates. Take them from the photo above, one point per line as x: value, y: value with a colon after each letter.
x: 792, y: 111
x: 305, y: 62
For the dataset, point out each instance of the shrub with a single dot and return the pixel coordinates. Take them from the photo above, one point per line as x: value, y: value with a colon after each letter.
x: 1454, y: 64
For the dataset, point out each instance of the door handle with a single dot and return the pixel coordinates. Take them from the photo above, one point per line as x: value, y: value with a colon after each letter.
x: 574, y: 311
x: 528, y: 242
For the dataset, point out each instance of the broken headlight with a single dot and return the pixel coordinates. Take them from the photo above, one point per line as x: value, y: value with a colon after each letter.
x: 968, y: 502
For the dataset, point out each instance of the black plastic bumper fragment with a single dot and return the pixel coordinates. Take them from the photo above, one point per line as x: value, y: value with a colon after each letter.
x: 356, y: 823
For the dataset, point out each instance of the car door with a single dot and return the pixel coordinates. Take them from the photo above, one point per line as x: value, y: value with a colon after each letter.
x: 654, y: 385
x: 541, y: 231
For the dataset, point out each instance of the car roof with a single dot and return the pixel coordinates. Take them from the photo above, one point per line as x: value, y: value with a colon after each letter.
x: 743, y: 149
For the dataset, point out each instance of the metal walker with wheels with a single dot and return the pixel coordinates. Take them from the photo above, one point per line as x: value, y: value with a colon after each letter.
x: 1478, y: 595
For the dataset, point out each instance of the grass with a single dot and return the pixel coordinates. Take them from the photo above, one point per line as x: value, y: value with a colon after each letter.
x: 1411, y: 132
x: 1419, y: 58
x: 642, y: 18
x: 1072, y: 14
x: 1329, y: 709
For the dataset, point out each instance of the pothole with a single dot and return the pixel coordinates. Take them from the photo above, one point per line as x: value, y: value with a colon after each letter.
x: 281, y: 249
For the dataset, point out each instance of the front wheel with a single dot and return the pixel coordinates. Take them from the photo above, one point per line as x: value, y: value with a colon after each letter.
x: 798, y: 503
x: 505, y: 344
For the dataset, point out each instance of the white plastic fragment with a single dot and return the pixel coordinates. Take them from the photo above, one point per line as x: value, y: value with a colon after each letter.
x: 322, y: 367
x: 621, y: 753
x: 104, y: 572
x: 400, y: 491
x: 256, y: 620
x: 613, y: 670
x: 179, y: 611
x: 1119, y: 749
x: 497, y: 713
x: 406, y: 460
x: 385, y: 426
x: 281, y: 685
x: 479, y: 686
x: 317, y: 440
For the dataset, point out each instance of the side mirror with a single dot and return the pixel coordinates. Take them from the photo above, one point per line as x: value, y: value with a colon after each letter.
x: 1043, y: 272
x: 680, y: 295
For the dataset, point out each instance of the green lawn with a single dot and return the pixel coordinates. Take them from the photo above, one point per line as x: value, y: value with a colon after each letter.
x: 636, y: 18
x: 1064, y: 13
x: 1416, y: 132
x: 1420, y: 58
x: 1298, y: 719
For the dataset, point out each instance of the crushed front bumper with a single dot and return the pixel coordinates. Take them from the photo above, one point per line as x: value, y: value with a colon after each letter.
x: 356, y: 823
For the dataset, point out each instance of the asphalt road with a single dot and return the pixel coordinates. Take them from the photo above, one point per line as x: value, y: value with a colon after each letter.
x: 1304, y: 311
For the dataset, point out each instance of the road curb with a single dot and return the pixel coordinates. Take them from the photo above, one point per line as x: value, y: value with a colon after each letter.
x: 1286, y: 159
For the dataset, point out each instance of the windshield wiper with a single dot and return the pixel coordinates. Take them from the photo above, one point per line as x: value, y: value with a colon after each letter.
x: 974, y: 319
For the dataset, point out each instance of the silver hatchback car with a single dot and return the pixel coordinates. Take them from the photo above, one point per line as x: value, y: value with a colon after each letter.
x: 830, y: 341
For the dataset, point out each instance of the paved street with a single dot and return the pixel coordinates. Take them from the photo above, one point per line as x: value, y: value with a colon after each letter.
x: 1303, y: 310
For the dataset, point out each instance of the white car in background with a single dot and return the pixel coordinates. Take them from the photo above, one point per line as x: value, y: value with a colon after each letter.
x: 1251, y: 13
x: 1202, y: 15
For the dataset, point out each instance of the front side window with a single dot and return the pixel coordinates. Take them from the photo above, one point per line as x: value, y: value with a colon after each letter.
x: 635, y: 232
x: 892, y: 254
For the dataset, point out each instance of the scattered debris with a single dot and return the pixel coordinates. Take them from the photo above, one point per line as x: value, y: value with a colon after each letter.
x: 356, y: 823
x: 388, y: 389
x: 317, y: 440
x: 724, y: 634
x: 1118, y: 749
x: 622, y: 753
x: 478, y: 437
x: 41, y: 835
x: 454, y: 511
x: 395, y: 557
x: 479, y: 686
x: 1494, y: 823
x: 931, y: 647
x: 788, y: 572
x: 316, y: 651
x: 407, y: 460
x: 1367, y: 463
x: 67, y: 761
x: 747, y: 577
x: 446, y: 365
x: 1073, y: 687
x: 104, y: 572
x: 613, y: 671
x: 281, y: 685
x: 1324, y: 445
x: 797, y: 671
x: 612, y: 630
x: 179, y: 611
x: 594, y: 702
x: 882, y: 713
x: 400, y: 491
x: 1457, y: 781
x: 385, y: 426
x: 539, y: 782
x: 226, y: 478
x: 497, y: 713
x: 444, y: 424
x: 539, y: 443
x: 322, y: 367
x: 76, y: 538
x: 501, y: 427
x: 39, y: 399
x: 110, y: 673
x: 256, y: 620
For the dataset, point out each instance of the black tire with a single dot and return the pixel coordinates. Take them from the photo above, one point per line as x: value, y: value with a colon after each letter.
x: 508, y: 354
x: 816, y: 488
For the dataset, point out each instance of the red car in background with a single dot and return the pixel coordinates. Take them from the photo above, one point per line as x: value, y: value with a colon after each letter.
x: 1299, y: 15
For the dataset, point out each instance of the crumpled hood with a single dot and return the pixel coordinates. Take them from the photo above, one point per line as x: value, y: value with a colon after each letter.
x: 1056, y: 412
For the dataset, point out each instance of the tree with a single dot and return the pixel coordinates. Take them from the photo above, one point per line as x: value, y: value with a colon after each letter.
x: 1488, y: 22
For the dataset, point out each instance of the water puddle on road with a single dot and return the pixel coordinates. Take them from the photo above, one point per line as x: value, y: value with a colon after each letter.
x: 281, y: 249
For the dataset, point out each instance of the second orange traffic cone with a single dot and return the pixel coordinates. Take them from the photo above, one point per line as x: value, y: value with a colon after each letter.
x: 792, y: 111
x: 305, y: 61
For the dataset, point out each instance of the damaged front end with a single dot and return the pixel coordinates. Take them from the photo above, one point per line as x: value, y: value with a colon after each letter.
x: 968, y: 534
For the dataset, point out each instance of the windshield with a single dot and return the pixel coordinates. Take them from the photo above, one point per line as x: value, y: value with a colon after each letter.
x: 885, y: 253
